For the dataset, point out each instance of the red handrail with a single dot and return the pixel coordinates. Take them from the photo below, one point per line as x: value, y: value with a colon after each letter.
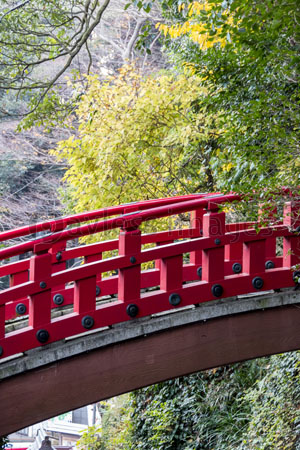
x: 131, y: 220
x: 63, y: 222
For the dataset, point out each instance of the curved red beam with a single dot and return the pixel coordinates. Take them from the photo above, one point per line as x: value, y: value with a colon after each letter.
x: 126, y: 221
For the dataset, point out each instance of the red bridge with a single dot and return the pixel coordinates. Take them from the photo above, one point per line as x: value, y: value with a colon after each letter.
x: 65, y: 339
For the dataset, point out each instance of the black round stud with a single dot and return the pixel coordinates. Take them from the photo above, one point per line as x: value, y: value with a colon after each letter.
x: 98, y: 291
x: 42, y: 336
x: 43, y: 284
x: 199, y: 272
x: 269, y: 265
x: 132, y: 310
x: 21, y: 308
x: 201, y: 232
x: 296, y: 276
x: 236, y: 268
x: 217, y: 241
x: 58, y: 299
x: 217, y: 290
x: 132, y: 259
x: 257, y: 282
x: 1, y: 351
x: 174, y: 299
x: 87, y: 322
x: 58, y: 256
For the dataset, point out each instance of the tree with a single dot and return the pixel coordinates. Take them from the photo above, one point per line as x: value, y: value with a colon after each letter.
x: 247, y: 56
x: 42, y: 42
x: 115, y: 430
x: 139, y: 138
x: 33, y: 33
x: 130, y: 33
x: 29, y: 176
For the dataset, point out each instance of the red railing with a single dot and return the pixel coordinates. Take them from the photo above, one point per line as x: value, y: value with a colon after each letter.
x: 208, y: 260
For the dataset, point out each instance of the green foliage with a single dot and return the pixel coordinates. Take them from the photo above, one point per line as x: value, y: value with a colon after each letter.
x: 116, y: 424
x: 139, y: 139
x: 274, y: 406
x: 247, y: 406
x: 91, y: 439
x: 115, y: 431
x: 203, y: 411
x: 253, y: 85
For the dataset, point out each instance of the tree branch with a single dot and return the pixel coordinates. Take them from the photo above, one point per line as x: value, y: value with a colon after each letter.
x: 20, y: 5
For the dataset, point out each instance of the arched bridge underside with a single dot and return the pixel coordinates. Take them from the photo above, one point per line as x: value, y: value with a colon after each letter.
x: 109, y: 362
x: 144, y: 307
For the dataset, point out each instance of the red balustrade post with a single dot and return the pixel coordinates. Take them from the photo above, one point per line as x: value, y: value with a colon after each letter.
x: 171, y: 273
x: 129, y: 281
x: 267, y: 214
x: 213, y: 258
x: 158, y: 261
x: 85, y: 295
x: 196, y: 222
x: 254, y: 259
x: 291, y: 244
x: 94, y: 258
x: 19, y: 278
x: 57, y: 249
x: 254, y: 256
x: 40, y: 303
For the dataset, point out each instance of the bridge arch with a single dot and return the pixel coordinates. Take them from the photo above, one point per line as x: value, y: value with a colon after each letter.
x: 64, y: 333
x: 131, y: 356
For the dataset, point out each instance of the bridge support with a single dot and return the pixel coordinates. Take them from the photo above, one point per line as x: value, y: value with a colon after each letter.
x: 111, y: 370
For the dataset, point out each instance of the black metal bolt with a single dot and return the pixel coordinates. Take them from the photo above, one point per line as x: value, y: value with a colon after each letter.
x: 43, y: 284
x: 217, y: 241
x: 58, y: 256
x: 257, y: 282
x: 217, y: 290
x: 42, y: 336
x: 269, y: 265
x: 236, y: 268
x: 199, y: 272
x: 174, y: 299
x: 87, y: 322
x: 1, y: 351
x: 21, y: 308
x: 132, y: 310
x: 58, y: 299
x: 98, y: 291
x: 132, y: 259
